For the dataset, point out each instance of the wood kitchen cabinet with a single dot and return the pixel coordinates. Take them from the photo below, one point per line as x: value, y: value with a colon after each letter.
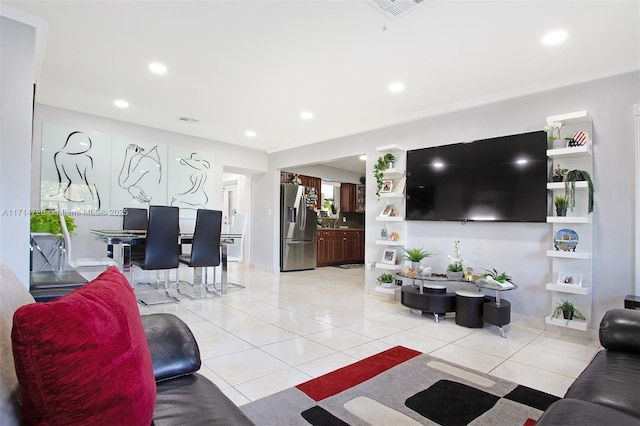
x: 339, y: 246
x: 352, y: 198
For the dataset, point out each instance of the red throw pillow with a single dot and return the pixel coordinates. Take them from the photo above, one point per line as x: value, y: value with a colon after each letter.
x: 84, y: 358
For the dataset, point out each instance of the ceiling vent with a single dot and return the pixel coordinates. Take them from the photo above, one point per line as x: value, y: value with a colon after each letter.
x: 188, y: 120
x: 396, y: 7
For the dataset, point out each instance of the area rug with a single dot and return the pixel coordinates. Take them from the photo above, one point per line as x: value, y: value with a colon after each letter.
x: 400, y: 387
x: 351, y: 265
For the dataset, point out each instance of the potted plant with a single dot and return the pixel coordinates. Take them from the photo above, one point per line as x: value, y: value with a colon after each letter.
x: 502, y: 277
x: 381, y: 165
x: 567, y: 310
x: 562, y: 203
x: 553, y: 134
x: 47, y: 221
x: 570, y: 187
x: 415, y: 256
x: 558, y: 174
x: 455, y: 269
x: 385, y: 280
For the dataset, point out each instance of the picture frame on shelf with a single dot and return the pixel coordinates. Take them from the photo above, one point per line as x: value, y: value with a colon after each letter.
x: 389, y: 256
x: 569, y: 279
x: 387, y: 185
x: 387, y: 210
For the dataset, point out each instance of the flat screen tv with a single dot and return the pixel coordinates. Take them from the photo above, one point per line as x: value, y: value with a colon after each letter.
x: 501, y: 179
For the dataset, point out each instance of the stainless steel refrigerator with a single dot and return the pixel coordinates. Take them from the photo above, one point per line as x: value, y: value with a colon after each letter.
x: 298, y: 225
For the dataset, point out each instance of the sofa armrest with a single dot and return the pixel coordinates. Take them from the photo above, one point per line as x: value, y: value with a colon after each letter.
x: 620, y: 330
x: 174, y: 350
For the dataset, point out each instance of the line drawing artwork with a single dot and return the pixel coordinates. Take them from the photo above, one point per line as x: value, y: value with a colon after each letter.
x: 75, y: 170
x: 195, y: 196
x: 140, y: 170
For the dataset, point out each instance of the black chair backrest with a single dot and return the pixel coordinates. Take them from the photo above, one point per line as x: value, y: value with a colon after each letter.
x: 205, y: 248
x: 135, y: 219
x: 161, y: 246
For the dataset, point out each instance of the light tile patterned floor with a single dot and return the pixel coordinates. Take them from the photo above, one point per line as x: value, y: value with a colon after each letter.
x: 286, y: 328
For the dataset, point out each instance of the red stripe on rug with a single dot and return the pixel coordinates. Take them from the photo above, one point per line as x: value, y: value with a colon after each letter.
x: 343, y: 378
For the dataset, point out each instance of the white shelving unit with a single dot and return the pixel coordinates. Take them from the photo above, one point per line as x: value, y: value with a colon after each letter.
x: 578, y: 261
x: 392, y: 223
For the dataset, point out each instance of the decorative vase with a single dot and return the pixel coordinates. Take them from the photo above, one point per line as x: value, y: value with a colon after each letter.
x: 391, y: 165
x: 415, y: 266
x: 455, y: 276
x: 561, y: 212
x: 387, y: 285
x: 568, y: 315
x: 559, y: 143
x: 557, y: 178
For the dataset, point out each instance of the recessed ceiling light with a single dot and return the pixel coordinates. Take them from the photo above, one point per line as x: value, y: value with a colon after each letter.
x: 554, y: 37
x: 250, y: 134
x: 306, y: 115
x: 363, y: 157
x: 121, y: 103
x: 396, y: 87
x: 157, y: 68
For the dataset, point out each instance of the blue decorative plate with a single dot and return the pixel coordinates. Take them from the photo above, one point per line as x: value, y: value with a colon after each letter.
x: 565, y: 239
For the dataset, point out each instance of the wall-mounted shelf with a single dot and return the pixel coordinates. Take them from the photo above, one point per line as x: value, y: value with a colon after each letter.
x: 572, y: 158
x: 576, y: 151
x: 389, y: 219
x: 392, y: 195
x: 565, y: 288
x: 569, y: 254
x: 568, y: 219
x: 573, y: 324
x: 393, y: 290
x: 560, y: 185
x: 389, y: 243
x: 387, y: 266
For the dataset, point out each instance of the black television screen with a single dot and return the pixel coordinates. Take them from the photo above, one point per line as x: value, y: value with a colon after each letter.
x: 500, y: 179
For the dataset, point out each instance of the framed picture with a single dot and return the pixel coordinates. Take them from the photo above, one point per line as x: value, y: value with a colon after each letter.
x: 387, y: 185
x: 388, y: 209
x: 389, y: 256
x: 569, y: 279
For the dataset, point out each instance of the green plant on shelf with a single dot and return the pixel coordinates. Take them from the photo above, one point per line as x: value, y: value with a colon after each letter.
x: 567, y: 310
x: 570, y: 187
x: 385, y: 278
x: 378, y: 170
x: 561, y: 202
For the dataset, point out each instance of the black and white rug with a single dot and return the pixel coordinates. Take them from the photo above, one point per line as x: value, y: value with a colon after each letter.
x: 401, y: 386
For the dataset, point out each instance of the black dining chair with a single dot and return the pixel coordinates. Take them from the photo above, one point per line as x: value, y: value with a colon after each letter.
x: 205, y: 253
x: 136, y: 219
x: 161, y: 252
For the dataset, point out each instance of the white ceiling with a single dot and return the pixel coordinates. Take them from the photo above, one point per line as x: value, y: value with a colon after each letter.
x: 240, y: 65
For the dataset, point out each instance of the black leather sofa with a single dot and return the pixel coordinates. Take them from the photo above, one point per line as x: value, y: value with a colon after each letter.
x: 183, y: 396
x: 607, y: 392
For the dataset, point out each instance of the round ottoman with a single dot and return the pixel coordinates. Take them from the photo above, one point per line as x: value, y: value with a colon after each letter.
x: 469, y: 306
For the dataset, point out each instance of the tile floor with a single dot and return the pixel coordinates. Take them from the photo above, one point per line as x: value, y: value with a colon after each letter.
x: 286, y: 328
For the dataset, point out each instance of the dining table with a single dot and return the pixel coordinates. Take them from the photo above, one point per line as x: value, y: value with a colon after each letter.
x: 125, y: 238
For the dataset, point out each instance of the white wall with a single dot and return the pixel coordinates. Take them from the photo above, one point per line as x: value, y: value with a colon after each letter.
x: 17, y: 77
x: 225, y: 156
x: 517, y: 248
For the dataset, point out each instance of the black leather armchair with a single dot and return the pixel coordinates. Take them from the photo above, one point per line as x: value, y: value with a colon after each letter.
x: 183, y: 396
x: 606, y: 392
